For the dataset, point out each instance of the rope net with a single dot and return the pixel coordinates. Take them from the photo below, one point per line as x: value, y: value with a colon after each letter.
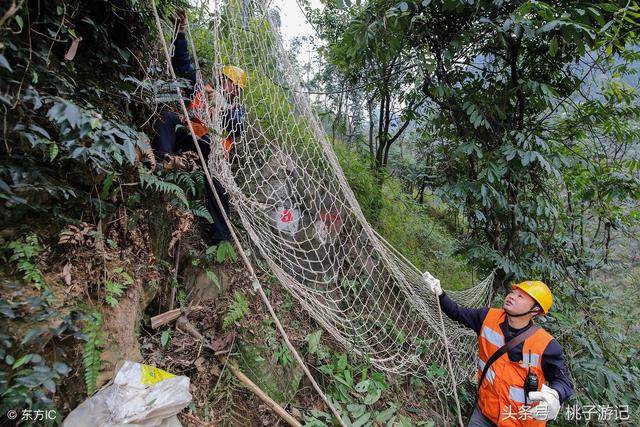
x: 285, y: 183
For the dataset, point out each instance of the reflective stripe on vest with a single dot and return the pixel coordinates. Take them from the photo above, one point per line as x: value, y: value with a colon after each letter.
x: 494, y: 337
x: 516, y: 394
x: 490, y: 374
x: 532, y: 360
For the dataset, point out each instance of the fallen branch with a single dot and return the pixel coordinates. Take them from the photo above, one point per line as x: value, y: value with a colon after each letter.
x: 186, y: 326
x: 10, y: 12
x: 169, y: 316
x: 194, y: 419
x: 164, y: 318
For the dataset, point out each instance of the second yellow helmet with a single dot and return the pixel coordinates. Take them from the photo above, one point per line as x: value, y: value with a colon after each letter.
x: 236, y: 74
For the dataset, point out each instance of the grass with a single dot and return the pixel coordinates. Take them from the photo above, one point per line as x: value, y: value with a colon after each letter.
x: 422, y: 237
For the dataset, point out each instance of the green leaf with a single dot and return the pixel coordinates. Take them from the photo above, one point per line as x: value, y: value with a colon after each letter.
x: 130, y: 151
x: 553, y: 46
x: 213, y: 278
x: 237, y: 310
x: 24, y: 359
x: 313, y: 341
x: 126, y: 277
x: 356, y: 409
x: 550, y: 25
x: 19, y: 21
x: 106, y: 185
x: 111, y: 300
x: 31, y: 335
x: 362, y: 420
x: 4, y: 63
x: 342, y: 362
x: 362, y: 386
x: 373, y: 396
x: 49, y: 385
x: 61, y: 368
x: 225, y: 252
x: 72, y: 114
x: 164, y: 338
x: 386, y: 415
x: 53, y: 151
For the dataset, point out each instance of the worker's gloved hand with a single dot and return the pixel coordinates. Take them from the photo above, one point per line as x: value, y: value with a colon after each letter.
x: 549, y: 405
x: 173, y: 162
x: 179, y: 17
x: 433, y: 283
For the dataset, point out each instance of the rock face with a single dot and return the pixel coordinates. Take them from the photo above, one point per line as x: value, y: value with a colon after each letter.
x: 199, y: 286
x: 121, y: 326
x: 123, y: 321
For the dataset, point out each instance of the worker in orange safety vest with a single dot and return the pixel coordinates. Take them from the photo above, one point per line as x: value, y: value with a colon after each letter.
x: 212, y: 106
x: 527, y: 378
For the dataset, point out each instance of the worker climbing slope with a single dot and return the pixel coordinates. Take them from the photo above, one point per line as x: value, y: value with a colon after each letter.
x: 522, y: 376
x: 213, y: 105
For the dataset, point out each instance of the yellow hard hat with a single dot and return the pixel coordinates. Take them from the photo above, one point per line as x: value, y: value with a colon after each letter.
x: 538, y: 291
x: 236, y: 74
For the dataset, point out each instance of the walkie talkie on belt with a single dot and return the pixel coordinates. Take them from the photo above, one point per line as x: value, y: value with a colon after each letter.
x: 530, y: 382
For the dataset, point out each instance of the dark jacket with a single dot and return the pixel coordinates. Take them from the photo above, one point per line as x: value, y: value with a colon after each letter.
x: 553, y: 365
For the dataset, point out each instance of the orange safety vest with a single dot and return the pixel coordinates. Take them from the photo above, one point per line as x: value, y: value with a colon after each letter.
x: 196, y: 107
x: 501, y: 394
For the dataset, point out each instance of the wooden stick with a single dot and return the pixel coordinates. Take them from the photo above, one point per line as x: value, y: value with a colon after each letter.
x: 169, y: 316
x: 164, y: 318
x: 186, y: 326
x: 175, y: 277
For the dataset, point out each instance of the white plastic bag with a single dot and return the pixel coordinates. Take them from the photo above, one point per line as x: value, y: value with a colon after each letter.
x: 139, y: 395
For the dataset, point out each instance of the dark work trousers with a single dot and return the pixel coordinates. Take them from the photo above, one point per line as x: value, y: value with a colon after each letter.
x: 479, y: 420
x: 171, y: 137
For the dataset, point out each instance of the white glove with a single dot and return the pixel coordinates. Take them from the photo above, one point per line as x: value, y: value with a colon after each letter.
x: 433, y: 283
x: 549, y: 405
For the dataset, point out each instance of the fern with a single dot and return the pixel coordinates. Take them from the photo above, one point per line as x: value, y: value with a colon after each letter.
x: 198, y: 178
x: 149, y: 180
x: 91, y: 351
x: 237, y: 310
x: 284, y: 356
x: 199, y: 209
x: 226, y: 252
x: 24, y: 251
x: 184, y: 181
x: 115, y: 288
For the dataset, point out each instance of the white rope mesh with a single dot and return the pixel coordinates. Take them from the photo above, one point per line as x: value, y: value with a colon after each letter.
x: 285, y: 182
